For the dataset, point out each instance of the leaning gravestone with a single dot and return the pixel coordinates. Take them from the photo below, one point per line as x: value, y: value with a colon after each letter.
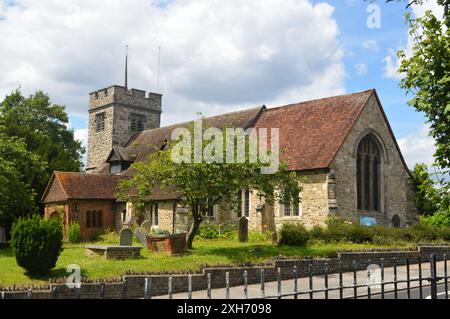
x: 243, y: 229
x: 141, y: 233
x: 147, y: 225
x: 126, y: 237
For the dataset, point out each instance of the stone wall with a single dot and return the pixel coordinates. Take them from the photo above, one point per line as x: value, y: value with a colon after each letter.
x: 132, y: 286
x: 314, y: 209
x: 165, y: 216
x: 396, y: 194
x: 119, y: 105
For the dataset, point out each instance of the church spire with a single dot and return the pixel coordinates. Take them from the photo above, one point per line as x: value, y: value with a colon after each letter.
x: 126, y: 67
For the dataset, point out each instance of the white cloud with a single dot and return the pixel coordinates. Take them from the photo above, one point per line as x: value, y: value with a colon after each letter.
x: 216, y: 55
x: 371, y: 45
x: 361, y: 69
x: 418, y: 148
x: 391, y: 66
x: 82, y: 136
x: 391, y: 61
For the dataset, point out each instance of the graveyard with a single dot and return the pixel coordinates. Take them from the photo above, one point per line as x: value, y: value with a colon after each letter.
x: 206, y: 252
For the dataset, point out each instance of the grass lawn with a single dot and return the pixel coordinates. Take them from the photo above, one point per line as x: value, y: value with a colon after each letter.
x: 211, y: 252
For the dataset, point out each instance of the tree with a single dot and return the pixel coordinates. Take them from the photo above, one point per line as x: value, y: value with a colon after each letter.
x: 427, y: 76
x: 42, y: 126
x: 427, y: 197
x: 17, y: 166
x: 209, y: 182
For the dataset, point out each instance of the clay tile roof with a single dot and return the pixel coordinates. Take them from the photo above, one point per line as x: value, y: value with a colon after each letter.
x: 149, y: 141
x: 312, y: 132
x: 70, y: 185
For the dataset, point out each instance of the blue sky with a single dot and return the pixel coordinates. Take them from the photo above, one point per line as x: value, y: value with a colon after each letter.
x: 351, y: 17
x: 217, y: 56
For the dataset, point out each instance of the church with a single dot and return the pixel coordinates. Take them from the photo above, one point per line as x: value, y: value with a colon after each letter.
x: 343, y: 146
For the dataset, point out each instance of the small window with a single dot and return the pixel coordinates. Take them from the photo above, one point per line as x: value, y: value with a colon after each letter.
x: 94, y: 219
x: 137, y: 122
x: 291, y: 209
x: 154, y: 215
x: 100, y: 122
x: 100, y: 219
x: 75, y: 207
x: 140, y: 126
x: 88, y: 219
x: 133, y: 124
x: 287, y: 209
x: 247, y: 203
x: 115, y: 167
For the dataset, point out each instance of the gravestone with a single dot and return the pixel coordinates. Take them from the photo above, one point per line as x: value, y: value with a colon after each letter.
x: 2, y: 235
x: 141, y: 234
x: 243, y: 229
x: 126, y: 237
x: 222, y: 229
x: 146, y: 225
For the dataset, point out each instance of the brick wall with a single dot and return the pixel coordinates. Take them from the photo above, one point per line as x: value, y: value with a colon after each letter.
x: 106, y: 206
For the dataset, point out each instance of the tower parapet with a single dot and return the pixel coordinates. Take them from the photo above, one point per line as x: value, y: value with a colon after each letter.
x: 115, y: 114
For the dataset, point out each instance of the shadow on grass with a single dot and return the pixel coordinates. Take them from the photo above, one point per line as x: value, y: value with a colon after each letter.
x: 6, y: 252
x: 55, y: 273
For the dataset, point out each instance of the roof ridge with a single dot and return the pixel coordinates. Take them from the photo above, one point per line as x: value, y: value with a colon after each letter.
x: 321, y: 99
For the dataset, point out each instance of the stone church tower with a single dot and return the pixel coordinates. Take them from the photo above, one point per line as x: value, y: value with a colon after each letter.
x: 115, y: 114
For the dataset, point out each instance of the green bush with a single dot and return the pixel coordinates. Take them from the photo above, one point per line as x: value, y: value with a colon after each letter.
x: 293, y: 235
x: 360, y: 234
x: 439, y: 219
x: 37, y: 243
x: 74, y: 233
x: 258, y: 236
x: 209, y: 231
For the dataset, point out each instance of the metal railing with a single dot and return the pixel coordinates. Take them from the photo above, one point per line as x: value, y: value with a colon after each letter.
x: 433, y: 282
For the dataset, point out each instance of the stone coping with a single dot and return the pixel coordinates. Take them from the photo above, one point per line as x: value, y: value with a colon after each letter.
x: 112, y: 247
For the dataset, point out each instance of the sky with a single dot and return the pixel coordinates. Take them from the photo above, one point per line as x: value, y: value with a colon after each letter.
x: 216, y: 56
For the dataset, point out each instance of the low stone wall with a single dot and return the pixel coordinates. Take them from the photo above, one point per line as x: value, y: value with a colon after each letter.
x: 132, y: 286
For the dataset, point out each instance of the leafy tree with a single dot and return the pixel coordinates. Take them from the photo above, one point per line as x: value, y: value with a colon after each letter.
x: 427, y: 76
x: 207, y: 183
x: 42, y: 126
x: 17, y: 167
x: 427, y: 197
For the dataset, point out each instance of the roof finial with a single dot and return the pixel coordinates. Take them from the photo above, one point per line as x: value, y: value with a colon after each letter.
x: 126, y: 67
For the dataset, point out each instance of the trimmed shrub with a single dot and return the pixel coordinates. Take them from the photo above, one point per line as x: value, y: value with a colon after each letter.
x: 293, y: 235
x: 37, y: 243
x: 74, y: 233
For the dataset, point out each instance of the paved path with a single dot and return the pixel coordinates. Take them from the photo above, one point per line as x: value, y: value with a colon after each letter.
x: 271, y: 288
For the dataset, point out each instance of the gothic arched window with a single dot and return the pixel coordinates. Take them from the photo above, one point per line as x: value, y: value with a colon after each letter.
x: 368, y: 162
